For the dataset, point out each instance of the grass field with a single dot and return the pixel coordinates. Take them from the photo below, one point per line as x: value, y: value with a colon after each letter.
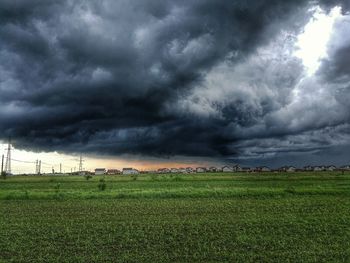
x: 223, y: 217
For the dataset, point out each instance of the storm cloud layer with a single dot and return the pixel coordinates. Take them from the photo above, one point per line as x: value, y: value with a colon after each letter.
x: 162, y: 78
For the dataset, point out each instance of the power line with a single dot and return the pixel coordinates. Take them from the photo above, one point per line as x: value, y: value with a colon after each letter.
x: 47, y: 163
x: 20, y: 161
x: 7, y: 165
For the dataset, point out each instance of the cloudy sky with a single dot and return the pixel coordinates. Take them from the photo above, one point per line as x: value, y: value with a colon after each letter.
x: 161, y: 82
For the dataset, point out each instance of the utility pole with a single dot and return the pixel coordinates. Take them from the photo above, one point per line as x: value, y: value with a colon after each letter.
x: 39, y: 167
x: 2, y: 164
x: 8, y: 159
x: 60, y: 168
x: 81, y: 163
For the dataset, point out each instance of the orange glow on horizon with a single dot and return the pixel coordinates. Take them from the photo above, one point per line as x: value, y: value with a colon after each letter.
x: 24, y: 162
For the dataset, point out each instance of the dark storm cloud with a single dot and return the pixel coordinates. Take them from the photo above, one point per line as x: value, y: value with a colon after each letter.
x: 116, y: 77
x: 345, y: 4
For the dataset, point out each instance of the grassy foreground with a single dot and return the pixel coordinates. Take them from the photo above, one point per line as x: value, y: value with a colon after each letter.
x: 302, y: 217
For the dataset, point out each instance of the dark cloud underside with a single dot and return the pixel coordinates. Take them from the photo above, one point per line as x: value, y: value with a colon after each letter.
x: 127, y: 76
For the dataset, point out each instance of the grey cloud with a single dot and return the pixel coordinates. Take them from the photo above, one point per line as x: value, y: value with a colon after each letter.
x: 335, y: 68
x: 156, y: 78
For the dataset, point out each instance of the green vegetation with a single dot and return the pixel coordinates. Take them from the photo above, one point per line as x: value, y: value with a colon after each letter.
x: 3, y: 175
x: 219, y: 217
x: 88, y: 177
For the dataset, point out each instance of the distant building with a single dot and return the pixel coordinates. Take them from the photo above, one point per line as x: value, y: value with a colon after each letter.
x: 331, y: 168
x: 308, y: 168
x: 218, y: 169
x: 99, y: 171
x: 201, y: 169
x: 345, y: 167
x: 318, y: 168
x: 174, y: 170
x: 212, y: 169
x: 163, y: 171
x: 291, y: 169
x: 182, y: 170
x: 113, y: 171
x: 130, y: 171
x: 227, y: 169
x: 262, y: 169
x: 282, y: 169
x: 237, y: 168
x: 189, y: 170
x: 287, y: 169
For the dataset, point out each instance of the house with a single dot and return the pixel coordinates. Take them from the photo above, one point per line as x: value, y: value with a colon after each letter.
x: 201, y: 170
x: 308, y: 168
x: 227, y: 169
x: 287, y: 169
x: 113, y: 171
x: 174, y: 170
x: 99, y: 171
x: 237, y: 168
x: 189, y: 170
x: 282, y: 169
x: 262, y: 169
x: 182, y: 170
x: 345, y: 168
x: 331, y: 168
x: 130, y: 171
x: 318, y: 169
x: 322, y: 168
x: 163, y: 171
x: 212, y: 169
x: 291, y: 169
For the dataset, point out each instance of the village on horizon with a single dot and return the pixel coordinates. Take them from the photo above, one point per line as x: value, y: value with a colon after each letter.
x: 6, y: 168
x: 189, y: 170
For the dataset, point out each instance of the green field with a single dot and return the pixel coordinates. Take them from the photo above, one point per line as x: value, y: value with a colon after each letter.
x: 223, y: 217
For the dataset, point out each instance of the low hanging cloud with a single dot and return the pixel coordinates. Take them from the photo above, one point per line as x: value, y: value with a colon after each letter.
x: 163, y: 78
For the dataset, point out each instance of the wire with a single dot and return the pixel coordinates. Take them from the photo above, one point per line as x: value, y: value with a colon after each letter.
x: 43, y: 164
x: 21, y: 161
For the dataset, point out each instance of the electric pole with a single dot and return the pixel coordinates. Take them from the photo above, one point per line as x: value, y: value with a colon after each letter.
x: 39, y: 167
x: 8, y: 159
x: 2, y: 164
x: 60, y: 168
x: 81, y: 163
